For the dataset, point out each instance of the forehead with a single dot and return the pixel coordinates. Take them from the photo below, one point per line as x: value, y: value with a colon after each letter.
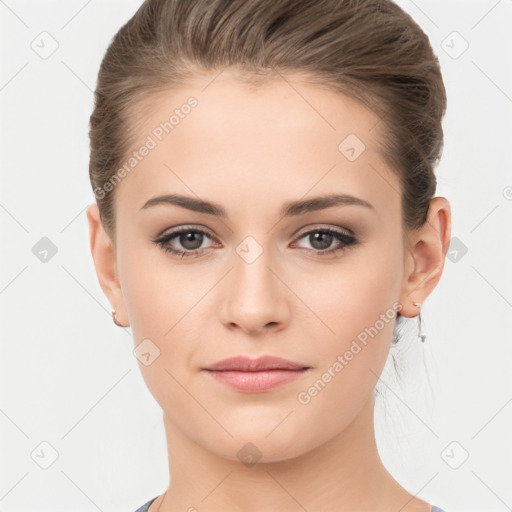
x: 281, y: 135
x: 229, y: 102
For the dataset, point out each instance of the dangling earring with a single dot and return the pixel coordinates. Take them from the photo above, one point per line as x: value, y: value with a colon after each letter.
x: 421, y: 335
x: 114, y: 317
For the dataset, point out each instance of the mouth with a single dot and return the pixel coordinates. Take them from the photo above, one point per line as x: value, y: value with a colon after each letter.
x: 255, y: 375
x: 246, y: 364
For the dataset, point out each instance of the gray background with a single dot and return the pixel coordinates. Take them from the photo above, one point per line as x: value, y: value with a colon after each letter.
x: 70, y: 385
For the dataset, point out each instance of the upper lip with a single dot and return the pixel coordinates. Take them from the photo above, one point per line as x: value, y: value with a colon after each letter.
x: 246, y: 364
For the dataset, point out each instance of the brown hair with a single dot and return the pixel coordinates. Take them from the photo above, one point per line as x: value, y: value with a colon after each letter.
x: 370, y: 50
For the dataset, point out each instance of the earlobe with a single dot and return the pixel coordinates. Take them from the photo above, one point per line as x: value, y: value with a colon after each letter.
x: 426, y: 256
x: 103, y: 254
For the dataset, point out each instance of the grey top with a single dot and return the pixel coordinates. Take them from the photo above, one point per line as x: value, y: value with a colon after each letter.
x: 145, y: 507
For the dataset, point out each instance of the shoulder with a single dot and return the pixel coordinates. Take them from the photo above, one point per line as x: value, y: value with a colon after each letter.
x: 145, y: 507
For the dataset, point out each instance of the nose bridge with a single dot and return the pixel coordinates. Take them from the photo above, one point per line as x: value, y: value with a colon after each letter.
x: 255, y: 297
x: 253, y: 279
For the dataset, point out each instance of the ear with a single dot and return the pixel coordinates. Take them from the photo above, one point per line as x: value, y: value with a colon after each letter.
x: 425, y: 256
x: 103, y: 254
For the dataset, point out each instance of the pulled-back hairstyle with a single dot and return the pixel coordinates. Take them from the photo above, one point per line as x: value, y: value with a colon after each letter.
x: 370, y: 50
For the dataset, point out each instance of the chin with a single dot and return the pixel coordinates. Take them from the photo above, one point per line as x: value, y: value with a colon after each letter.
x: 257, y: 446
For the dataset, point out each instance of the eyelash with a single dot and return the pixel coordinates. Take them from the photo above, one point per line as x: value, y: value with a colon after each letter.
x: 347, y: 240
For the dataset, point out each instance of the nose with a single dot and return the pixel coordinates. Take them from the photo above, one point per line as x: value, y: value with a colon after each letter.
x: 253, y: 297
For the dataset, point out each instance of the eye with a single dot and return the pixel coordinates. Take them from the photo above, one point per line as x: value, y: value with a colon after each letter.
x: 321, y: 240
x: 190, y: 239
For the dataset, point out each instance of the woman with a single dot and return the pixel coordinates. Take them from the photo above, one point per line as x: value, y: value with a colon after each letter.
x: 265, y: 213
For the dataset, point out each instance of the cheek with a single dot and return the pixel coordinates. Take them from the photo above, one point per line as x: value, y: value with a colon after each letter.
x: 166, y: 316
x: 159, y: 302
x: 157, y: 293
x: 346, y: 298
x: 349, y: 360
x: 354, y: 306
x: 147, y: 298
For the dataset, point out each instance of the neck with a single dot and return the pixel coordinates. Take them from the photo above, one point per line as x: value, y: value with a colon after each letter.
x: 344, y: 474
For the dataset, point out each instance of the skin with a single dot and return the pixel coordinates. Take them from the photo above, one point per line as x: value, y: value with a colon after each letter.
x: 250, y: 151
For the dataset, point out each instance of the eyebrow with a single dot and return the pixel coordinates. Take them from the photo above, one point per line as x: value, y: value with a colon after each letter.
x: 289, y: 209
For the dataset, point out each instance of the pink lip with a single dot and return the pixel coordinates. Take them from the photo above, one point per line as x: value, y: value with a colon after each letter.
x: 255, y: 375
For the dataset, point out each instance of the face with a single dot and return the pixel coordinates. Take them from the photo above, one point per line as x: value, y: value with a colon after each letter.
x: 316, y: 284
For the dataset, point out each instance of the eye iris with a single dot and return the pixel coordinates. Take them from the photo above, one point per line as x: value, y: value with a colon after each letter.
x: 192, y: 237
x: 325, y: 240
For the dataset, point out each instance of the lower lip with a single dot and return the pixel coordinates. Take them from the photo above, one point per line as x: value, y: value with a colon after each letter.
x: 256, y: 381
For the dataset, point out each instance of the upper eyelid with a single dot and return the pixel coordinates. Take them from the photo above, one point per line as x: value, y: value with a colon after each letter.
x: 184, y: 229
x: 319, y: 227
